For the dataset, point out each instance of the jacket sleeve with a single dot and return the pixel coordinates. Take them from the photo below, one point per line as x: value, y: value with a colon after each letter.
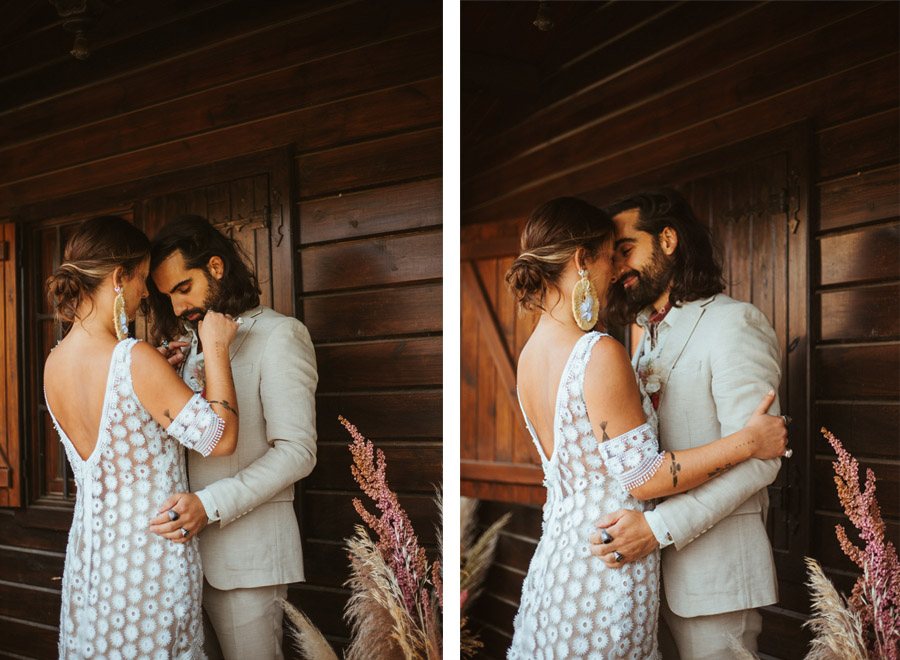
x: 744, y: 365
x: 287, y: 390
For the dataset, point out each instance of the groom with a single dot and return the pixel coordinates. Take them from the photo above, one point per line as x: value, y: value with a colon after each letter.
x: 251, y: 549
x: 708, y: 360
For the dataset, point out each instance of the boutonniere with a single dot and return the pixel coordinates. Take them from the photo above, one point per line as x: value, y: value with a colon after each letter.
x: 650, y: 379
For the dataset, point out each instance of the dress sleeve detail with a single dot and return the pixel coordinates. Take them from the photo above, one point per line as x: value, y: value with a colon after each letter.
x: 197, y: 426
x: 633, y: 457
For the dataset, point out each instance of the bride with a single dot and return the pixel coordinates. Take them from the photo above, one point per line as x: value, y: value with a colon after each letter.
x: 596, y: 435
x: 120, y: 409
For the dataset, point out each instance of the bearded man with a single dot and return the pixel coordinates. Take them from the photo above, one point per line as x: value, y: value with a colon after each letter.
x: 251, y: 548
x: 705, y: 360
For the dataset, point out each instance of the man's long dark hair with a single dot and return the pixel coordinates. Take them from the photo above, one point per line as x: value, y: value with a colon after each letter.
x: 696, y: 270
x: 198, y: 241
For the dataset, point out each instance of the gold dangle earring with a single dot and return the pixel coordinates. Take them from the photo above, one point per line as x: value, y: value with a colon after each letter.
x: 120, y: 318
x: 585, y: 303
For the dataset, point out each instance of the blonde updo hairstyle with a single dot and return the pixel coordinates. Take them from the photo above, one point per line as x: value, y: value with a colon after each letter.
x: 553, y: 233
x: 95, y: 250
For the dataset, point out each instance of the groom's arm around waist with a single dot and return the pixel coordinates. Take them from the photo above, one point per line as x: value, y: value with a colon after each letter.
x: 287, y: 389
x: 744, y: 365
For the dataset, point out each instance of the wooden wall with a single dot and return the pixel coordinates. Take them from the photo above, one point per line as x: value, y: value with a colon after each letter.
x: 668, y: 82
x: 353, y: 90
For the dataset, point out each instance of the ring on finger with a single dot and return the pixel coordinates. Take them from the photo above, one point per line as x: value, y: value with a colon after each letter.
x: 165, y: 344
x: 787, y: 420
x: 173, y: 515
x: 788, y: 453
x: 605, y: 536
x: 184, y: 533
x: 618, y: 556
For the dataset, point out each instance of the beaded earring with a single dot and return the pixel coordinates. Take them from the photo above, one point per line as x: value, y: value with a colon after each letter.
x: 585, y: 303
x: 120, y: 318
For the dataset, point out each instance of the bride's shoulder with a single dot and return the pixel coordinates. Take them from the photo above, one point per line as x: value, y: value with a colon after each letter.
x: 607, y: 350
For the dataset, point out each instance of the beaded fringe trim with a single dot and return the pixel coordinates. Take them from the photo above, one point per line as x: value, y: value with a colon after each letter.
x: 643, y: 473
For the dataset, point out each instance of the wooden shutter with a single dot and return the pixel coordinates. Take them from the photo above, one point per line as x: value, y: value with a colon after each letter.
x: 10, y: 482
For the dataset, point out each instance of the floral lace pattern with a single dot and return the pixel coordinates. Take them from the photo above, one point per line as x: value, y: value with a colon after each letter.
x: 128, y: 593
x: 633, y: 457
x: 573, y: 605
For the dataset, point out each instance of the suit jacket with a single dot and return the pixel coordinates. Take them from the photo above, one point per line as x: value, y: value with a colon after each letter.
x: 257, y: 540
x: 720, y: 357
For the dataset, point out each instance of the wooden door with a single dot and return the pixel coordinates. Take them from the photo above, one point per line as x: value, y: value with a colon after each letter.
x: 10, y: 478
x: 753, y: 196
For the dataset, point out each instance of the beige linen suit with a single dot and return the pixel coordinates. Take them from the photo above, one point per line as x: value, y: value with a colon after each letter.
x: 720, y: 357
x: 256, y: 541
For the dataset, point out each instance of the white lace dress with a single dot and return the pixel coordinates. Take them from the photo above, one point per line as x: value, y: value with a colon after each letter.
x: 128, y: 593
x: 573, y: 605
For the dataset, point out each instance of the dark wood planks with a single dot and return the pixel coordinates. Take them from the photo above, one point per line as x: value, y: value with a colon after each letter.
x: 10, y: 451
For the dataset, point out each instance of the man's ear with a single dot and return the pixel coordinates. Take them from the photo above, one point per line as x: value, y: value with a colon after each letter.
x: 668, y: 240
x: 216, y: 267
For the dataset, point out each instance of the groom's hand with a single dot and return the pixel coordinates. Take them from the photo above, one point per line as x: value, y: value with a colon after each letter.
x: 631, y: 536
x: 189, y: 515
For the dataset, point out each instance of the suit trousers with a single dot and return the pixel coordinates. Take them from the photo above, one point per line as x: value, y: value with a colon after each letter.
x: 712, y: 637
x: 246, y: 623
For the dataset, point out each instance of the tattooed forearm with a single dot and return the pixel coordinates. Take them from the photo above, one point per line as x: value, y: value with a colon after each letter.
x: 168, y: 415
x: 220, y: 349
x: 674, y: 468
x: 605, y: 434
x: 226, y: 406
x: 719, y: 470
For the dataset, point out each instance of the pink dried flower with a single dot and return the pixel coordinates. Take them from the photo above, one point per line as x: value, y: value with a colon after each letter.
x: 876, y: 594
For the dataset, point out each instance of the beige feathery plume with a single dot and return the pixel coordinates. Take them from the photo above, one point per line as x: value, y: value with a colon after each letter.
x: 308, y: 639
x: 838, y: 630
x: 381, y: 629
x: 477, y: 559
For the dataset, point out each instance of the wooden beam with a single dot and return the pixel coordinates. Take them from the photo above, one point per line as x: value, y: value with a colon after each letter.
x: 506, y: 473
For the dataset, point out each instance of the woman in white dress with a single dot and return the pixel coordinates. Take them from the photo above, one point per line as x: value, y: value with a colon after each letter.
x: 596, y: 435
x: 123, y: 416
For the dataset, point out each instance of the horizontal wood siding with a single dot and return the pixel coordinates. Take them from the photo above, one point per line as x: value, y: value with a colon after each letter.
x: 606, y: 113
x: 353, y: 89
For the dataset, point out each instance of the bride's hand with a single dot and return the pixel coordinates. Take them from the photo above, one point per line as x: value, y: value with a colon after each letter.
x: 768, y: 433
x: 217, y: 329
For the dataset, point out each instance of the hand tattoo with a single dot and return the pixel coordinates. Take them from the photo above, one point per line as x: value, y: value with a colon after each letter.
x: 674, y: 468
x: 719, y: 470
x: 226, y: 406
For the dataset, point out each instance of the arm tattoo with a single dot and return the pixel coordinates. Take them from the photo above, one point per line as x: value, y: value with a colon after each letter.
x: 674, y: 468
x: 168, y: 415
x: 605, y: 434
x: 226, y: 406
x: 719, y: 470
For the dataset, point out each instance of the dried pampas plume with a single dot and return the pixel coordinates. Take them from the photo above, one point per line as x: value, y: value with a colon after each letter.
x: 308, y: 639
x: 838, y: 631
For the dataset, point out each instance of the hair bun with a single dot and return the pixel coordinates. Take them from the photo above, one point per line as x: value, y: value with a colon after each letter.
x: 527, y: 281
x: 66, y: 288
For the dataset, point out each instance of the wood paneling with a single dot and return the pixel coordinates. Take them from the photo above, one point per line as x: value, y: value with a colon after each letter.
x: 887, y: 486
x: 392, y: 363
x: 10, y: 472
x: 414, y: 466
x: 866, y: 429
x: 330, y: 515
x: 863, y: 255
x: 868, y: 313
x: 414, y: 155
x: 371, y: 262
x: 376, y: 414
x: 397, y: 208
x: 363, y: 314
x: 865, y: 141
x: 858, y: 372
x: 862, y: 197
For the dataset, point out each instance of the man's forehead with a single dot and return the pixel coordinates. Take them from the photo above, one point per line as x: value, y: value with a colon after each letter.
x: 625, y: 222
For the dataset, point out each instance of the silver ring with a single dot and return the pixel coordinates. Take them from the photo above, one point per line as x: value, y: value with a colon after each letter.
x: 788, y: 453
x: 165, y: 344
x: 239, y: 320
x: 618, y: 556
x: 173, y: 514
x: 184, y: 533
x: 605, y: 536
x: 787, y: 420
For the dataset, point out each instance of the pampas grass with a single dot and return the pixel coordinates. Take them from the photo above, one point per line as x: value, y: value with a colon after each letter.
x: 838, y: 630
x: 308, y: 639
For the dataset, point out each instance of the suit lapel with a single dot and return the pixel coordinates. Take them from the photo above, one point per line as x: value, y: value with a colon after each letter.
x: 244, y: 330
x: 688, y: 317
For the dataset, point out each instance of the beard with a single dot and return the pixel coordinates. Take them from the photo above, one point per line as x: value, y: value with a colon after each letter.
x: 652, y: 281
x: 211, y: 301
